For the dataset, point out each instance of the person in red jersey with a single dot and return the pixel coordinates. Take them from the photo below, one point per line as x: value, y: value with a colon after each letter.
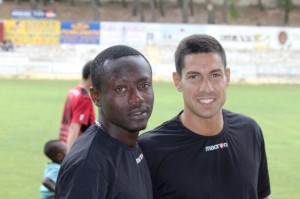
x: 78, y: 113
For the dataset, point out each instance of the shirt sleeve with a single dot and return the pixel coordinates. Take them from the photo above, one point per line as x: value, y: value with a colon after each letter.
x: 82, y: 111
x: 82, y: 181
x: 263, y: 186
x: 52, y: 174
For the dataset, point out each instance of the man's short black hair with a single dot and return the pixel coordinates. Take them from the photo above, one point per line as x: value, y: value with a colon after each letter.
x: 197, y: 44
x: 110, y: 53
x: 86, y: 70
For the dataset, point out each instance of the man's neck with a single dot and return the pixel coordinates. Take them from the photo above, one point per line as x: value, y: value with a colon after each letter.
x: 202, y: 126
x: 85, y: 84
x: 125, y: 137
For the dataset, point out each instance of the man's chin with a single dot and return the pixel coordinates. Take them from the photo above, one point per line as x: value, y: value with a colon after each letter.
x: 137, y: 128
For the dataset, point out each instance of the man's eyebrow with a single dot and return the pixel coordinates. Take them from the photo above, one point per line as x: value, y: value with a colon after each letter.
x: 216, y: 70
x: 192, y: 72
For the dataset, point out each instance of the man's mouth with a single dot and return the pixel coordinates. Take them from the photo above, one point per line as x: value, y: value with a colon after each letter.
x: 206, y: 101
x: 138, y: 113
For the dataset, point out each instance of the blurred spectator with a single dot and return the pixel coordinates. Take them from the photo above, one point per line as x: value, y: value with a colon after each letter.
x: 7, y: 45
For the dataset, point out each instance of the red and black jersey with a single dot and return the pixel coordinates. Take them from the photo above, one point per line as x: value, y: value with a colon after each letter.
x: 78, y: 109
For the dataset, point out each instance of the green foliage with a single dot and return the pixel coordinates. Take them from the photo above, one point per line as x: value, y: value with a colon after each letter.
x: 233, y: 9
x: 31, y: 113
x: 285, y: 4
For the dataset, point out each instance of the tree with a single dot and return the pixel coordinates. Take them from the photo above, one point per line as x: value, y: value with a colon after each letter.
x: 210, y: 11
x: 261, y: 5
x: 33, y: 3
x: 96, y: 14
x: 138, y: 9
x: 184, y: 5
x: 153, y: 10
x: 225, y: 11
x: 287, y: 6
x: 233, y: 9
x: 185, y: 11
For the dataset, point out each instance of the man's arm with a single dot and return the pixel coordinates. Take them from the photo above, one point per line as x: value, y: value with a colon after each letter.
x: 48, y: 183
x: 73, y: 134
x: 82, y: 181
x: 268, y: 197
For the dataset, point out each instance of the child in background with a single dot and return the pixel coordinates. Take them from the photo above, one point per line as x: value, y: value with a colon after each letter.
x: 55, y: 150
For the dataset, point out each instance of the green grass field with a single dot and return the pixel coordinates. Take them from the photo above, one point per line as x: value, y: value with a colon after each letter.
x: 31, y: 113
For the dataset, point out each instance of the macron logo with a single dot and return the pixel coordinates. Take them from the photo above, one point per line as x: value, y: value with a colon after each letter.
x: 139, y: 159
x: 217, y: 146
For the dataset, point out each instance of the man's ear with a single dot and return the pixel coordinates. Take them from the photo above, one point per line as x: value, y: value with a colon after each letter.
x: 177, y: 81
x: 95, y: 94
x: 227, y: 73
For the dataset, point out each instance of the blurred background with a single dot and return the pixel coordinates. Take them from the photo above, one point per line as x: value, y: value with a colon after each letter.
x: 53, y: 39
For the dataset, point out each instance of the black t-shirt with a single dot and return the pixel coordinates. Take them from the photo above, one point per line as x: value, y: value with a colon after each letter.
x: 99, y: 166
x: 186, y: 165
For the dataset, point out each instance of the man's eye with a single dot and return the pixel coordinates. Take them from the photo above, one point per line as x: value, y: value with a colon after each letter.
x: 193, y: 76
x: 120, y: 89
x: 146, y: 85
x: 215, y: 75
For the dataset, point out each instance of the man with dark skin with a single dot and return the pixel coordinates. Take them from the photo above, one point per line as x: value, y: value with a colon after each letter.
x: 56, y: 151
x: 106, y: 161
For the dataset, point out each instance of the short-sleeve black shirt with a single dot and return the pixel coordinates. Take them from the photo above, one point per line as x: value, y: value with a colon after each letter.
x: 186, y: 165
x: 100, y: 167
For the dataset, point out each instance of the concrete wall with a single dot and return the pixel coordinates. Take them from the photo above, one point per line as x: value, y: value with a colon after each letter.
x: 65, y: 62
x: 255, y: 54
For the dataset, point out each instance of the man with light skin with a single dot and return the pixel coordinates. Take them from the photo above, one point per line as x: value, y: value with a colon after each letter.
x: 206, y: 151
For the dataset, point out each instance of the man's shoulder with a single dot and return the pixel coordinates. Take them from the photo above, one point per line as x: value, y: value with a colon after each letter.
x: 242, y: 124
x: 78, y: 91
x: 238, y: 118
x: 88, y: 149
x: 162, y: 130
x: 163, y: 136
x: 53, y: 166
x: 79, y: 95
